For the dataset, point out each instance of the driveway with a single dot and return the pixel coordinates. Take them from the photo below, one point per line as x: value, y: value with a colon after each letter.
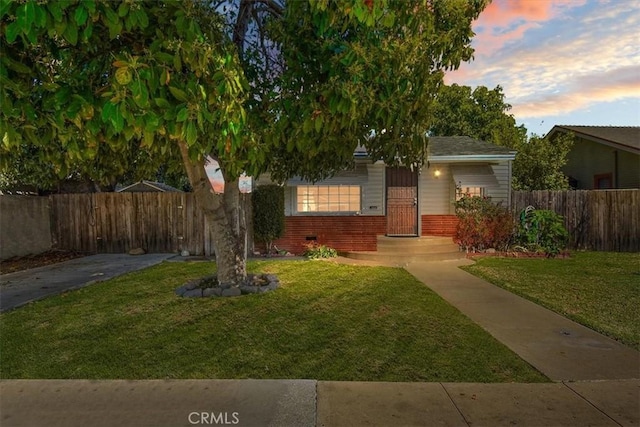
x: 22, y: 287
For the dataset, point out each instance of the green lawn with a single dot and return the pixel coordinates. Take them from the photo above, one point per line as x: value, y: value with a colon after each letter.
x: 598, y: 289
x: 326, y: 322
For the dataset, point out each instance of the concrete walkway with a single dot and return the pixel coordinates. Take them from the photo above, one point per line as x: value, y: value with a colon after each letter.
x: 301, y: 403
x: 561, y: 349
x: 22, y: 287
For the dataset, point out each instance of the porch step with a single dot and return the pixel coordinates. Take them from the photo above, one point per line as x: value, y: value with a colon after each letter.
x: 398, y: 251
x: 401, y: 259
x: 415, y: 245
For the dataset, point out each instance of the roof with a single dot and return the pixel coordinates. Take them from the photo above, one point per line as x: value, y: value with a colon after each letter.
x: 623, y: 137
x: 464, y: 147
x: 459, y: 148
x: 150, y: 186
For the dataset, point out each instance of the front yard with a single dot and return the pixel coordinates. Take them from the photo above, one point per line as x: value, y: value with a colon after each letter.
x: 601, y: 290
x: 326, y: 322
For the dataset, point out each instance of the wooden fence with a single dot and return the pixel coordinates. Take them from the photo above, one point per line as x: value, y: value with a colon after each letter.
x: 604, y: 220
x: 119, y: 222
x: 601, y: 220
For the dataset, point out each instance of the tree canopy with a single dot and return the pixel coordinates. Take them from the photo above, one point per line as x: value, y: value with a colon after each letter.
x: 483, y: 114
x: 538, y: 164
x: 480, y: 113
x: 257, y: 84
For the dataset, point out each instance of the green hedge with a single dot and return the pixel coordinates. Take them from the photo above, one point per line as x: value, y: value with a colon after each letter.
x: 268, y: 214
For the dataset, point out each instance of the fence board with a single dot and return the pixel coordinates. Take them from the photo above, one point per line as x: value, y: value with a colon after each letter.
x: 171, y: 222
x: 603, y: 220
x: 119, y: 222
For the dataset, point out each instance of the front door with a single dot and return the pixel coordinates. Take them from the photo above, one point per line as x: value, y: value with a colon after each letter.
x: 402, y: 202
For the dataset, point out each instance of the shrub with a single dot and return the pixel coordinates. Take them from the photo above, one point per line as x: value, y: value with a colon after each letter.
x: 542, y: 231
x: 268, y: 214
x: 314, y: 250
x: 482, y: 224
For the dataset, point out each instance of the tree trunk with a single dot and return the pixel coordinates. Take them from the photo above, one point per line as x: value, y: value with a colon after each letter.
x: 222, y: 213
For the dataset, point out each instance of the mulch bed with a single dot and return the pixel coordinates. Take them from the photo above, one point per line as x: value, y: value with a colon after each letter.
x: 26, y: 262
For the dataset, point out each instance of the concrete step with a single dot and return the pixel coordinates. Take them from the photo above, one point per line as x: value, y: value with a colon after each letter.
x: 401, y: 259
x: 417, y: 250
x: 415, y: 245
x: 414, y: 241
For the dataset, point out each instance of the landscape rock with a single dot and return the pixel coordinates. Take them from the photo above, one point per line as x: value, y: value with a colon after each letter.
x: 231, y: 292
x: 137, y: 251
x: 209, y: 287
x: 191, y: 285
x: 212, y: 292
x: 248, y: 289
x: 193, y: 293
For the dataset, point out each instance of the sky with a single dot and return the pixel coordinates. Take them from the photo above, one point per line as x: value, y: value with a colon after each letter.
x: 559, y: 62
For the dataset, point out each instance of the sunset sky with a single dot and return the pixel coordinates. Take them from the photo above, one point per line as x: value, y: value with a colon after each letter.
x: 571, y: 62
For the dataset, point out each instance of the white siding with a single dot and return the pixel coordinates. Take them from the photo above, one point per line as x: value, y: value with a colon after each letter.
x: 435, y: 195
x: 373, y: 190
x: 502, y: 171
x: 369, y: 176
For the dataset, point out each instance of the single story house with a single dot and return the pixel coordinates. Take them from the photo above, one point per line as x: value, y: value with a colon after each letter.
x: 148, y: 187
x: 602, y: 157
x: 350, y: 210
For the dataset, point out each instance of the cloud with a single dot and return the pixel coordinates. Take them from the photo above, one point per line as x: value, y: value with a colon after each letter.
x: 611, y: 86
x: 506, y: 20
x: 504, y: 12
x: 568, y: 62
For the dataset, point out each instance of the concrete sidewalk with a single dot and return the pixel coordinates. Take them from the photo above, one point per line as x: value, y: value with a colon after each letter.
x: 300, y: 403
x: 22, y: 287
x: 561, y: 349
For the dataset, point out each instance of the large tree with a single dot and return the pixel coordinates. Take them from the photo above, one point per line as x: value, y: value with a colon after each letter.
x: 483, y: 114
x: 258, y: 85
x: 538, y: 164
x: 480, y: 113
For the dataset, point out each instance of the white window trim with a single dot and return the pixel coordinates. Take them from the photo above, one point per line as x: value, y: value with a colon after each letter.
x: 296, y: 212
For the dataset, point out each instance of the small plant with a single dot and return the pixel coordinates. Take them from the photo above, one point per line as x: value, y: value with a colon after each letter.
x: 482, y: 224
x: 542, y: 231
x: 314, y: 250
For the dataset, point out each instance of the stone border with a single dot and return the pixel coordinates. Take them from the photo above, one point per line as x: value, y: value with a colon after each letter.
x: 255, y: 284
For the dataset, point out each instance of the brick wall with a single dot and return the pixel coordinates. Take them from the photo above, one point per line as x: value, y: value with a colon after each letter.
x: 344, y: 233
x: 439, y: 225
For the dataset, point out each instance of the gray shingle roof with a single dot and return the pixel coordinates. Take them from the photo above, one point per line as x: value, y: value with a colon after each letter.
x: 628, y: 136
x: 464, y: 146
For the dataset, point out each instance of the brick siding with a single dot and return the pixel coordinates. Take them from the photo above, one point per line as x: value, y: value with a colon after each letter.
x: 439, y: 225
x: 344, y: 233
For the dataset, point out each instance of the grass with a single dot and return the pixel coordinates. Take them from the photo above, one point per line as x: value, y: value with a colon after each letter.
x: 600, y: 290
x: 325, y: 322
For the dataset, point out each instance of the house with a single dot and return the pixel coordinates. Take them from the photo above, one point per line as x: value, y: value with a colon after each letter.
x: 350, y: 210
x: 148, y: 187
x: 602, y: 157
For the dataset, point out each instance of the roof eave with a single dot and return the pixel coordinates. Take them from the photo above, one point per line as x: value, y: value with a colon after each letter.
x: 472, y: 157
x: 593, y: 138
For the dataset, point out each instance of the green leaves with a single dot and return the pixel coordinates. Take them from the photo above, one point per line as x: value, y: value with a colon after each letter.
x: 178, y: 94
x: 123, y: 76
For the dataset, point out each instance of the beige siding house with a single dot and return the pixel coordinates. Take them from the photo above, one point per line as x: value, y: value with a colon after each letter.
x: 602, y: 157
x: 350, y: 210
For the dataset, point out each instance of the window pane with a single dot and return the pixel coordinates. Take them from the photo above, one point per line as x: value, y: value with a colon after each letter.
x: 328, y: 198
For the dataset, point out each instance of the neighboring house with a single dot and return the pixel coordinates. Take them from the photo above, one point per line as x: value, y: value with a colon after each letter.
x: 148, y: 187
x: 602, y: 157
x: 349, y: 211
